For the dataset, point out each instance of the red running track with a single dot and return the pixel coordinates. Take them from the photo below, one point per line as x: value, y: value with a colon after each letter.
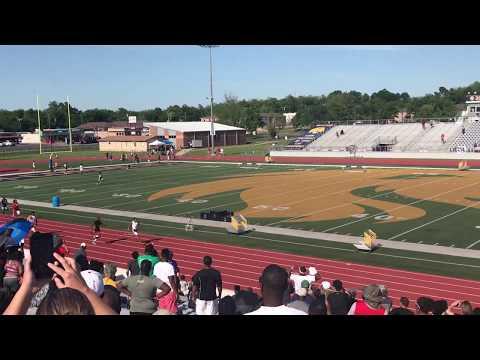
x: 12, y: 170
x: 243, y: 266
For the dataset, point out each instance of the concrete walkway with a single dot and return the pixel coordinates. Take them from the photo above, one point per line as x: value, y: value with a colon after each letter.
x: 431, y: 249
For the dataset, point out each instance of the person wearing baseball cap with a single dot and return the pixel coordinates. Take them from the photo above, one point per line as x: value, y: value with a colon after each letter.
x: 302, y: 275
x: 371, y: 304
x: 94, y: 277
x: 302, y: 299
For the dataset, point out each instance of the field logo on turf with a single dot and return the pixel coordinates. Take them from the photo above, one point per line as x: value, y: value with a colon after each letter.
x: 128, y: 196
x: 26, y: 187
x: 274, y: 208
x: 72, y: 191
x: 383, y: 217
x: 359, y: 216
x: 199, y: 201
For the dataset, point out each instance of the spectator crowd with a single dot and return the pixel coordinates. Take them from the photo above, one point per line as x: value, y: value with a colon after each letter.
x: 49, y: 281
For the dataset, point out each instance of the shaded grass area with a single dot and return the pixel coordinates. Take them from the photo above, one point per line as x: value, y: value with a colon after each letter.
x: 416, y: 176
x: 257, y: 149
x: 406, y: 260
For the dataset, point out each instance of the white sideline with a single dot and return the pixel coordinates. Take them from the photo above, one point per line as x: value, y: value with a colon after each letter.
x: 472, y: 244
x: 435, y: 220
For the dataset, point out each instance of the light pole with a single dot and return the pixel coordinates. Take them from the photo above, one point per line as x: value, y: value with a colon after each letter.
x: 212, y: 130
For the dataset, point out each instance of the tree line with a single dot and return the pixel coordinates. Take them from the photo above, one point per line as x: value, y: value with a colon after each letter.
x: 338, y: 106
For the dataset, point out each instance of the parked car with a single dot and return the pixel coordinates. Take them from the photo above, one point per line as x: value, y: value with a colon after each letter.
x: 8, y: 143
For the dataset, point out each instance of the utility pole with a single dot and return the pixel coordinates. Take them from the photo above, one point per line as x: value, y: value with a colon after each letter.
x: 212, y: 130
x: 69, y: 125
x: 39, y: 127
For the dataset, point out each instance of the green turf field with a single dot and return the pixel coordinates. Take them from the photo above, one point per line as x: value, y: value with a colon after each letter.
x: 443, y: 224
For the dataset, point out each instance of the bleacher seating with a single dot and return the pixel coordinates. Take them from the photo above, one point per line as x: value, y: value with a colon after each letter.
x: 467, y: 141
x: 408, y: 137
x: 352, y: 135
x: 430, y: 141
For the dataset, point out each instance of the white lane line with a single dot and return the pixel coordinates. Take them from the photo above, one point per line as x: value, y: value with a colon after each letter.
x: 420, y: 242
x: 435, y: 220
x: 472, y: 244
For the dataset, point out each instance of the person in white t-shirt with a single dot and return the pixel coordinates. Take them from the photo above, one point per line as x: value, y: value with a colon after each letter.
x: 32, y: 219
x: 134, y: 228
x: 166, y: 273
x: 273, y: 284
x: 81, y: 169
x: 301, y: 276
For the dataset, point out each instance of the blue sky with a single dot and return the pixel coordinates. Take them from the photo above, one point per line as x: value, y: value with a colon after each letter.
x: 144, y: 77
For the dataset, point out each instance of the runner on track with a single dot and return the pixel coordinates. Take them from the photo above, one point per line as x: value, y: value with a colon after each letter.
x: 133, y: 227
x: 34, y: 166
x: 4, y: 203
x: 32, y: 218
x: 81, y: 169
x: 97, y: 232
x: 15, y: 208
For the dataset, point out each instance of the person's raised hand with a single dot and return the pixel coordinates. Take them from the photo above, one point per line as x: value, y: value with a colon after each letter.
x: 28, y: 278
x: 69, y: 275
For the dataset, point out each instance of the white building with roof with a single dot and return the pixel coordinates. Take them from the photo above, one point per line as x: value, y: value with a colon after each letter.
x: 182, y: 133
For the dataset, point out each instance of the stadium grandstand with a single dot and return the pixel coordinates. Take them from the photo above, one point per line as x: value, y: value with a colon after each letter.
x: 399, y: 137
x: 421, y: 136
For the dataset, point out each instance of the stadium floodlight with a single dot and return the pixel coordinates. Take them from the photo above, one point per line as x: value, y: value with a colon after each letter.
x: 69, y: 124
x: 212, y: 131
x: 39, y: 128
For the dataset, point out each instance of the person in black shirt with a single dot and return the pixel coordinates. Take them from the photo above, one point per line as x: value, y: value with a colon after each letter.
x: 205, y: 285
x: 318, y: 306
x: 226, y: 306
x: 403, y: 309
x: 96, y: 230
x: 4, y: 204
x: 339, y: 302
x: 133, y: 268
